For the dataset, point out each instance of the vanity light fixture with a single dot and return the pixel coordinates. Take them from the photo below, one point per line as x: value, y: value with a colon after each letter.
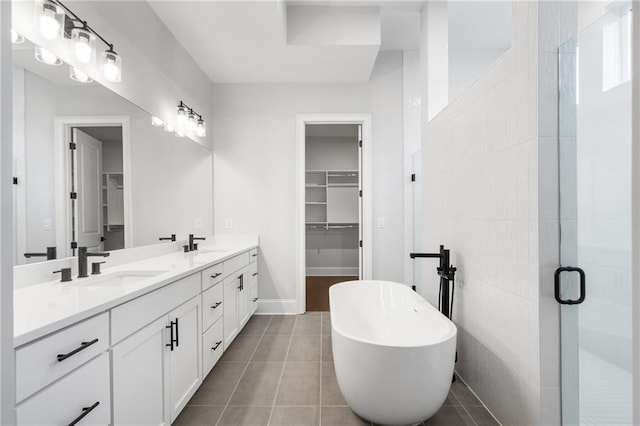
x: 169, y: 128
x: 55, y: 18
x: 190, y: 121
x: 155, y: 121
x: 78, y: 75
x: 50, y: 18
x: 16, y: 37
x: 46, y: 57
x: 179, y: 134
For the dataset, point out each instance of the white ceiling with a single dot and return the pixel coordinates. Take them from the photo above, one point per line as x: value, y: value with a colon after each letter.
x: 246, y: 41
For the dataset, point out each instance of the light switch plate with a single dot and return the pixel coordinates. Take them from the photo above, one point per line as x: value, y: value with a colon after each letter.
x: 198, y: 223
x: 381, y: 222
x: 47, y: 225
x: 228, y: 224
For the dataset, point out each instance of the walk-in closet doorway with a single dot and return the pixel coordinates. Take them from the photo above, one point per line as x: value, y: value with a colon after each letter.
x: 333, y: 178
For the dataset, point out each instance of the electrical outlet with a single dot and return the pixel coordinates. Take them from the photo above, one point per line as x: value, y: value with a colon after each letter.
x: 47, y: 225
x: 198, y: 223
x: 381, y: 222
x: 228, y: 224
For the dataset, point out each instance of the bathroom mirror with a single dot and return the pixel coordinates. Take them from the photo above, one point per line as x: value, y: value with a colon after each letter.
x: 91, y: 170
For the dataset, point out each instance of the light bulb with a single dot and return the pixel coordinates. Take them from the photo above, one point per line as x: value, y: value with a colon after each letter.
x: 192, y: 124
x: 169, y: 128
x: 155, y: 121
x: 84, y: 44
x: 111, y: 66
x: 16, y: 38
x: 201, y: 131
x: 49, y: 22
x: 181, y: 120
x: 80, y: 76
x: 46, y: 57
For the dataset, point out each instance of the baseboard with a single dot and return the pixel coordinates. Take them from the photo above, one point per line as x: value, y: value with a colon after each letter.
x: 277, y: 307
x: 331, y: 271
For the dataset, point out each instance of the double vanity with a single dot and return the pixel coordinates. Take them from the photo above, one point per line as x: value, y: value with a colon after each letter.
x: 131, y: 345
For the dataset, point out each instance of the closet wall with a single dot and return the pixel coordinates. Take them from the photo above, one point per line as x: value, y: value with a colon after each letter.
x: 332, y: 215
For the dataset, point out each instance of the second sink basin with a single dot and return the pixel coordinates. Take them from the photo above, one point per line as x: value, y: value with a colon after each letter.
x: 120, y: 278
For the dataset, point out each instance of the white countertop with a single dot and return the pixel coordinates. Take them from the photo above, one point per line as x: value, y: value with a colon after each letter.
x: 43, y: 308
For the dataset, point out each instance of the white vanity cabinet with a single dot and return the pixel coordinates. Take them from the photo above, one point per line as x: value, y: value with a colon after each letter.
x: 160, y: 365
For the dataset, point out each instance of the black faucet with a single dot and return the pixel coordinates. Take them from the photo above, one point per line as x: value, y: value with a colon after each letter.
x: 193, y: 246
x: 447, y: 274
x: 50, y: 254
x: 171, y: 238
x: 82, y: 260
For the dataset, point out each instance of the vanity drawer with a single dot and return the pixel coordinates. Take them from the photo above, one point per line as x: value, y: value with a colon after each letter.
x: 212, y: 346
x: 211, y: 276
x: 212, y: 306
x: 41, y: 362
x: 253, y: 299
x: 235, y: 263
x: 253, y: 274
x: 70, y: 397
x: 132, y: 316
x: 253, y: 255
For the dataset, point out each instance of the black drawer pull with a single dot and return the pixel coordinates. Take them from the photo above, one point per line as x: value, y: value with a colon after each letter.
x: 172, y: 339
x: 255, y: 299
x: 216, y: 305
x: 216, y: 275
x: 85, y: 411
x: 177, y: 338
x: 254, y: 255
x: 217, y: 344
x: 254, y: 274
x: 83, y: 346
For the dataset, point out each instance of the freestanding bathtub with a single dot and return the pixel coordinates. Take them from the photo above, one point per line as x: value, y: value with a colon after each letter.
x: 393, y: 352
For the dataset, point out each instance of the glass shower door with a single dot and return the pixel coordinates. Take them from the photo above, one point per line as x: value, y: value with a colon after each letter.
x: 594, y: 283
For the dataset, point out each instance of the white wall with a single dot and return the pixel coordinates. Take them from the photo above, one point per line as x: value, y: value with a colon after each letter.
x: 7, y: 372
x: 466, y: 65
x: 480, y: 199
x: 254, y: 165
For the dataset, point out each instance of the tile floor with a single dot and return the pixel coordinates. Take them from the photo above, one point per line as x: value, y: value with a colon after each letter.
x: 279, y: 371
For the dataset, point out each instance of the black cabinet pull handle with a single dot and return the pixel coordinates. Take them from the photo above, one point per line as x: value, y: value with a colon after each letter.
x: 216, y: 275
x: 177, y: 338
x: 254, y: 255
x: 172, y: 338
x: 217, y: 344
x: 83, y: 346
x: 216, y: 305
x: 255, y: 299
x: 254, y: 274
x: 241, y: 278
x: 85, y: 411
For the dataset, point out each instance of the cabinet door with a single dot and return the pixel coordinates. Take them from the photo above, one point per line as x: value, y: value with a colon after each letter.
x: 243, y: 297
x: 139, y: 377
x: 185, y: 370
x: 231, y: 326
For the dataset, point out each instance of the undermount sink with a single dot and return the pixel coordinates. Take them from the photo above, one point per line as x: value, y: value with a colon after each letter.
x: 120, y: 278
x: 211, y: 250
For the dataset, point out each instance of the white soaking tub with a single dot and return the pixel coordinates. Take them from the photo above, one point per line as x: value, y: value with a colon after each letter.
x: 393, y: 352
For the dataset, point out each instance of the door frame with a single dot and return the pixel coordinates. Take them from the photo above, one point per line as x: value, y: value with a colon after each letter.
x: 366, y: 175
x: 62, y: 178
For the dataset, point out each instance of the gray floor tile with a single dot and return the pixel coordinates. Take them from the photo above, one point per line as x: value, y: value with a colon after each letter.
x: 272, y: 349
x: 281, y: 324
x: 450, y: 415
x: 340, y: 416
x: 327, y: 350
x: 308, y: 324
x: 464, y: 395
x: 331, y: 394
x: 300, y: 384
x: 245, y: 416
x: 219, y: 384
x: 199, y: 416
x: 304, y: 348
x: 256, y: 325
x: 326, y: 323
x: 258, y: 385
x: 451, y: 399
x: 481, y: 416
x: 241, y: 348
x: 295, y: 416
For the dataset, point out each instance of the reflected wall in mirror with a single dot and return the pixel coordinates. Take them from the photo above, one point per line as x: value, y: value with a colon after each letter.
x: 91, y: 170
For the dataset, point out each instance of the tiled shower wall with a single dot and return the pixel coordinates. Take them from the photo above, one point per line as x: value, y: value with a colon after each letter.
x: 482, y: 178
